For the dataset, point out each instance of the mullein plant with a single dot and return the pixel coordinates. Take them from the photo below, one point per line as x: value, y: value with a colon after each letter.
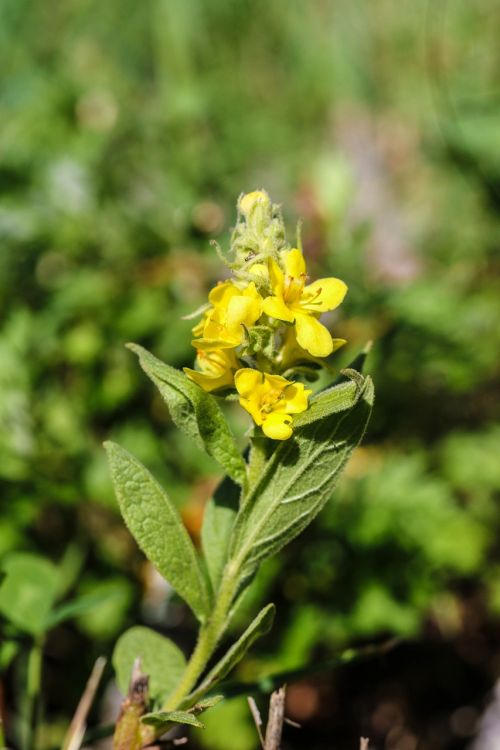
x: 257, y: 340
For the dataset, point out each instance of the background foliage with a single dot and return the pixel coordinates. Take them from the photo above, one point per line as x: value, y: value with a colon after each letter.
x: 128, y: 130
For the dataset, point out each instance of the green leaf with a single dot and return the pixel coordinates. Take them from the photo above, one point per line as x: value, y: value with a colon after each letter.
x: 260, y: 626
x: 194, y: 412
x: 301, y: 475
x: 157, y: 527
x: 160, y: 659
x: 8, y: 651
x: 162, y: 720
x: 79, y: 606
x: 218, y: 522
x: 330, y: 401
x: 28, y: 591
x: 206, y: 703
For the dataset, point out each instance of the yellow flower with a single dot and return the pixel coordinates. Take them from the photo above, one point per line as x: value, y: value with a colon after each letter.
x: 232, y: 309
x: 294, y: 302
x: 197, y: 330
x: 291, y: 353
x: 271, y: 399
x: 216, y: 369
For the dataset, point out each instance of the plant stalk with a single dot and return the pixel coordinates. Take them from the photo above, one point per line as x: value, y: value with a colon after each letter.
x: 34, y: 677
x: 2, y: 736
x: 209, y: 636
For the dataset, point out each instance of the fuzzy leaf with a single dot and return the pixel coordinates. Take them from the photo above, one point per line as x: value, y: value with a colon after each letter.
x: 194, y: 412
x: 300, y: 476
x: 260, y: 626
x: 28, y: 591
x: 161, y: 720
x: 330, y: 401
x: 157, y: 527
x: 218, y: 522
x: 160, y: 659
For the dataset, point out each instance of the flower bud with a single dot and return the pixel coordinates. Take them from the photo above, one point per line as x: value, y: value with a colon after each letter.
x: 250, y: 201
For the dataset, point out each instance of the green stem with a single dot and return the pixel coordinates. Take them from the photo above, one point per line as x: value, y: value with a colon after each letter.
x: 34, y: 678
x: 209, y: 636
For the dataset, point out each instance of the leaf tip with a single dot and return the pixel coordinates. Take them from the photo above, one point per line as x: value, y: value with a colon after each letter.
x: 369, y: 391
x: 269, y: 613
x: 134, y: 348
x: 367, y: 347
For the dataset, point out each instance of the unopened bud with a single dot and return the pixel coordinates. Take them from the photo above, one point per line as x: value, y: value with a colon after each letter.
x: 249, y: 202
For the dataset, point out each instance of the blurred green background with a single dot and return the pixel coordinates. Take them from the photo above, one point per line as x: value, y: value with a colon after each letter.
x: 127, y: 131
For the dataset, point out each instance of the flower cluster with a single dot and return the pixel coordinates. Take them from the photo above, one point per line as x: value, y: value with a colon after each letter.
x: 263, y: 324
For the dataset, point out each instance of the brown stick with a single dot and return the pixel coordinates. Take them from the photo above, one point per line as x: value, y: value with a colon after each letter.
x: 257, y: 720
x: 275, y: 719
x: 76, y: 730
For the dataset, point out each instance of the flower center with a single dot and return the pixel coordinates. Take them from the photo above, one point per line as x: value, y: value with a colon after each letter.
x: 211, y: 362
x: 269, y: 400
x: 293, y: 288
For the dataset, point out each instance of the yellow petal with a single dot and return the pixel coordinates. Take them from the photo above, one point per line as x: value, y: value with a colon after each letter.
x: 253, y: 408
x: 295, y: 264
x: 277, y: 382
x: 276, y: 308
x: 248, y: 381
x: 216, y: 362
x: 220, y: 295
x: 217, y: 330
x: 337, y: 343
x: 296, y: 396
x: 251, y: 291
x: 243, y: 310
x: 323, y: 295
x: 249, y: 384
x: 197, y: 330
x: 209, y: 382
x: 276, y: 277
x: 207, y: 344
x: 277, y: 426
x: 313, y: 336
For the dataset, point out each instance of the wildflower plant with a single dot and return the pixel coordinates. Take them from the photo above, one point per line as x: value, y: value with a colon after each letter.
x: 259, y: 340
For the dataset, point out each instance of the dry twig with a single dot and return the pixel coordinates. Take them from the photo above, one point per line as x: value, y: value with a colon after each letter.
x: 257, y: 719
x: 275, y: 719
x: 76, y: 730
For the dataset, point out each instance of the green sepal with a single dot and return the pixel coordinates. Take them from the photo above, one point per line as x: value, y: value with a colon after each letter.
x: 260, y: 340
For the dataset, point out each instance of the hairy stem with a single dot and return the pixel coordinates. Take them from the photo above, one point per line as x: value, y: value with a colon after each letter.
x: 209, y: 636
